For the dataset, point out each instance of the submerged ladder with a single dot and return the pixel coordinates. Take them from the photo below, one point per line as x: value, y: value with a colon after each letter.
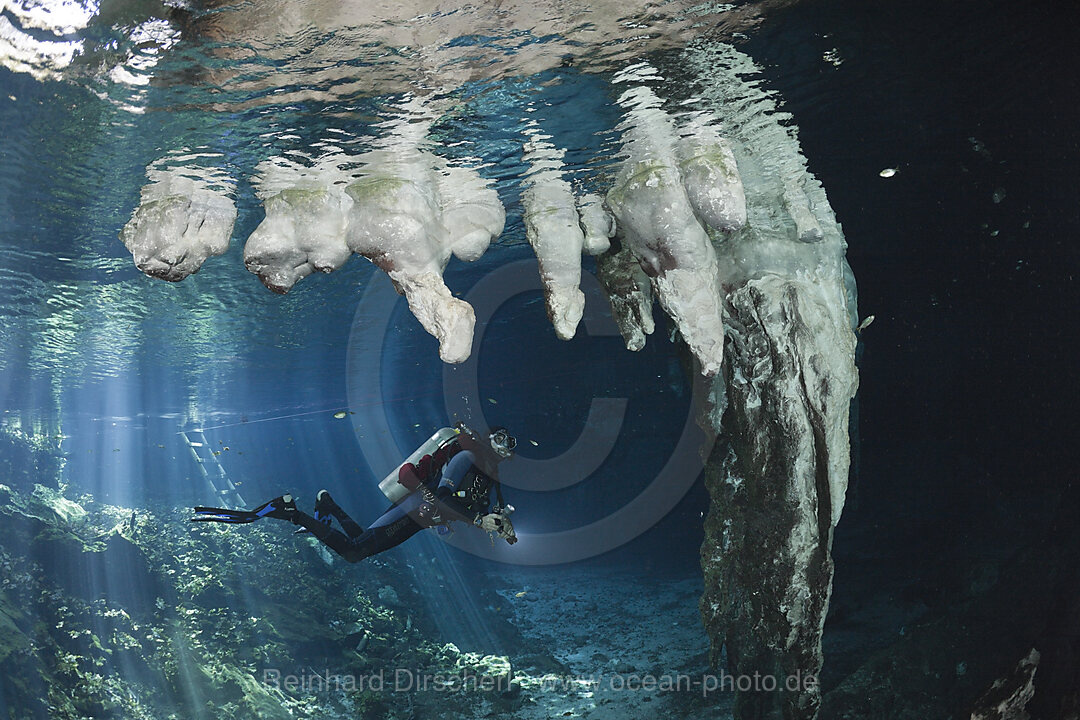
x: 212, y: 470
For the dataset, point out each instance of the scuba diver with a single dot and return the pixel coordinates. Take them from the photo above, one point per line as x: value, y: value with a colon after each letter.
x: 449, y: 478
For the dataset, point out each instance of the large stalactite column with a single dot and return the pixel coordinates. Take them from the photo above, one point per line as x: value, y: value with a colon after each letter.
x: 714, y: 206
x: 778, y: 476
x: 777, y: 483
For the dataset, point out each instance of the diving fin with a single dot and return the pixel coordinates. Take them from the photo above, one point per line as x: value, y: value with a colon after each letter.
x: 224, y: 515
x: 281, y: 508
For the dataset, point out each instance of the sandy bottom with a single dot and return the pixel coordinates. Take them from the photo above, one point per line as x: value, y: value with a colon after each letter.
x: 610, y: 644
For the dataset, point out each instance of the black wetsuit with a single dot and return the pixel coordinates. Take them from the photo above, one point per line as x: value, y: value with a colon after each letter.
x: 463, y: 492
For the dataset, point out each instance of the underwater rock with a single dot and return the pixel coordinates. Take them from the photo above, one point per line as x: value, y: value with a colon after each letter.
x: 560, y: 228
x: 656, y: 221
x: 14, y: 641
x: 553, y: 227
x: 472, y: 213
x: 49, y: 506
x: 1008, y: 697
x: 237, y: 687
x: 596, y: 222
x: 160, y: 623
x: 27, y: 460
x: 551, y: 224
x: 303, y: 232
x: 411, y: 211
x: 401, y: 207
x: 395, y: 224
x: 629, y: 292
x: 396, y: 218
x: 496, y: 667
x: 711, y: 177
x: 388, y: 596
x: 777, y: 480
x: 778, y: 475
x: 798, y: 206
x: 180, y: 222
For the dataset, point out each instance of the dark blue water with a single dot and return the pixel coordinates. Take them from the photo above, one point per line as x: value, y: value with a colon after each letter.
x: 966, y: 258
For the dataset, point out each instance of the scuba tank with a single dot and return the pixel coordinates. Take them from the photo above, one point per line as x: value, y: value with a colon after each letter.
x: 394, y: 490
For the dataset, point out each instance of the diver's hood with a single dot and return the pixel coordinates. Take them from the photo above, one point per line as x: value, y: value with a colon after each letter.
x: 486, y: 458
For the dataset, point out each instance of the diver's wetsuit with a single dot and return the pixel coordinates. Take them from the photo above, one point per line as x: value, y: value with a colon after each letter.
x: 463, y: 493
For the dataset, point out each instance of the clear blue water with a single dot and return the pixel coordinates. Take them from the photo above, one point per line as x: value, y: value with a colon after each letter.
x: 966, y: 430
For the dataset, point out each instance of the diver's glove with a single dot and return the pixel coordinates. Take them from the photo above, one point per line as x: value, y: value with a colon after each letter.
x: 499, y: 523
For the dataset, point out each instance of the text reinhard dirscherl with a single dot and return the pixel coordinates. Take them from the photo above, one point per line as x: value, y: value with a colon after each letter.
x: 404, y: 680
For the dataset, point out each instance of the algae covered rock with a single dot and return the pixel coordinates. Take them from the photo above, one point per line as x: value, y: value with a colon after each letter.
x: 247, y: 695
x: 389, y: 596
x: 106, y: 614
x: 12, y: 638
x: 50, y: 506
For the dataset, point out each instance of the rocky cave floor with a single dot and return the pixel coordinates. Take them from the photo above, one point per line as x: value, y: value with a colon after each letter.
x: 109, y: 613
x: 624, y: 642
x: 114, y: 614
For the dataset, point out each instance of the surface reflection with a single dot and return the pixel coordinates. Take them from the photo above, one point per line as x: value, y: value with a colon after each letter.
x: 250, y: 54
